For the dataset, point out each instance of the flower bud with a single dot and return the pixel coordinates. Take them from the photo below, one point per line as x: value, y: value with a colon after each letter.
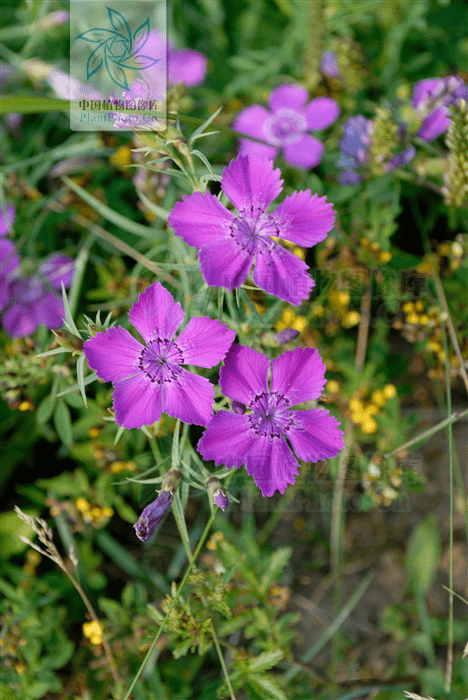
x: 69, y: 341
x: 152, y: 516
x: 217, y: 493
x: 155, y: 511
x: 286, y: 336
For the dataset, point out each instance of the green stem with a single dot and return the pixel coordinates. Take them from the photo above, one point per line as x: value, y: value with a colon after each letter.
x: 173, y: 604
x: 427, y: 433
x: 449, y: 667
x: 80, y: 267
x: 222, y: 662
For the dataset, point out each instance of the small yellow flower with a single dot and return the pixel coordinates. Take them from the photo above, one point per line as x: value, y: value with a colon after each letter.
x: 93, y: 432
x: 82, y: 504
x: 318, y: 310
x: 375, y: 246
x: 117, y: 467
x: 443, y: 249
x: 413, y: 319
x: 364, y: 242
x: 300, y: 252
x: 107, y: 512
x: 343, y: 298
x: 385, y: 257
x: 351, y: 319
x: 408, y: 307
x: 419, y: 306
x: 371, y: 409
x: 92, y: 629
x: 424, y: 319
x: 333, y: 387
x: 356, y: 405
x: 434, y: 346
x: 390, y: 391
x: 369, y: 426
x: 379, y: 398
x: 25, y: 406
x: 122, y: 157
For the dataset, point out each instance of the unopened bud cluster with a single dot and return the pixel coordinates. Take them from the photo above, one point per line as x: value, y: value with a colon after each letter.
x: 456, y: 187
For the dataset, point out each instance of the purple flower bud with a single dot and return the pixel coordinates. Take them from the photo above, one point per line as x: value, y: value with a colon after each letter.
x: 329, y: 65
x: 152, y: 515
x: 286, y: 336
x: 217, y: 493
x: 238, y: 407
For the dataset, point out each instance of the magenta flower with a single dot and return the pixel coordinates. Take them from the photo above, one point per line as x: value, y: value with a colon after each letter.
x: 286, y: 125
x: 228, y: 243
x: 262, y: 438
x: 431, y: 98
x: 31, y: 301
x: 7, y: 218
x: 329, y: 65
x: 184, y: 66
x: 149, y: 380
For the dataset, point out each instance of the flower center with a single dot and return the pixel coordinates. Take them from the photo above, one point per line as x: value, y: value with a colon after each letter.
x: 285, y: 126
x: 249, y: 231
x: 160, y: 360
x: 270, y: 415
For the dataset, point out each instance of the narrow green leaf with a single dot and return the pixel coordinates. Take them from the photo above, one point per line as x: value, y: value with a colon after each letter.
x: 111, y: 215
x: 87, y: 380
x: 265, y: 661
x: 422, y: 555
x: 157, y: 210
x: 63, y: 423
x: 203, y: 126
x: 45, y: 409
x: 68, y: 316
x: 80, y: 377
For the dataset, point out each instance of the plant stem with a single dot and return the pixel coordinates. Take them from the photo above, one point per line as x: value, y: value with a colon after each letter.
x: 427, y: 433
x: 449, y: 667
x: 172, y: 606
x: 222, y: 661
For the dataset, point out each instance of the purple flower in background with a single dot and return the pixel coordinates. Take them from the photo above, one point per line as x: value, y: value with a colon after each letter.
x: 228, y: 243
x: 149, y: 380
x: 354, y: 146
x: 69, y: 88
x: 262, y: 438
x: 401, y: 159
x: 33, y: 300
x: 286, y: 125
x: 7, y: 218
x: 184, y: 66
x: 431, y: 98
x: 152, y: 515
x: 329, y: 65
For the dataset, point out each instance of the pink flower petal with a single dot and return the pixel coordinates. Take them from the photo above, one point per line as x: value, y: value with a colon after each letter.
x: 251, y: 121
x: 225, y: 264
x: 288, y: 96
x: 156, y: 314
x: 282, y: 274
x: 50, y: 311
x: 244, y: 374
x: 58, y: 268
x: 186, y: 66
x: 227, y: 440
x: 250, y: 182
x: 18, y: 322
x: 7, y: 218
x: 315, y: 435
x: 272, y: 464
x: 435, y: 124
x: 200, y: 219
x: 299, y: 375
x: 189, y: 397
x: 321, y: 112
x: 304, y: 219
x: 305, y: 153
x: 204, y: 342
x: 137, y: 401
x: 9, y: 258
x: 430, y: 88
x: 113, y: 354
